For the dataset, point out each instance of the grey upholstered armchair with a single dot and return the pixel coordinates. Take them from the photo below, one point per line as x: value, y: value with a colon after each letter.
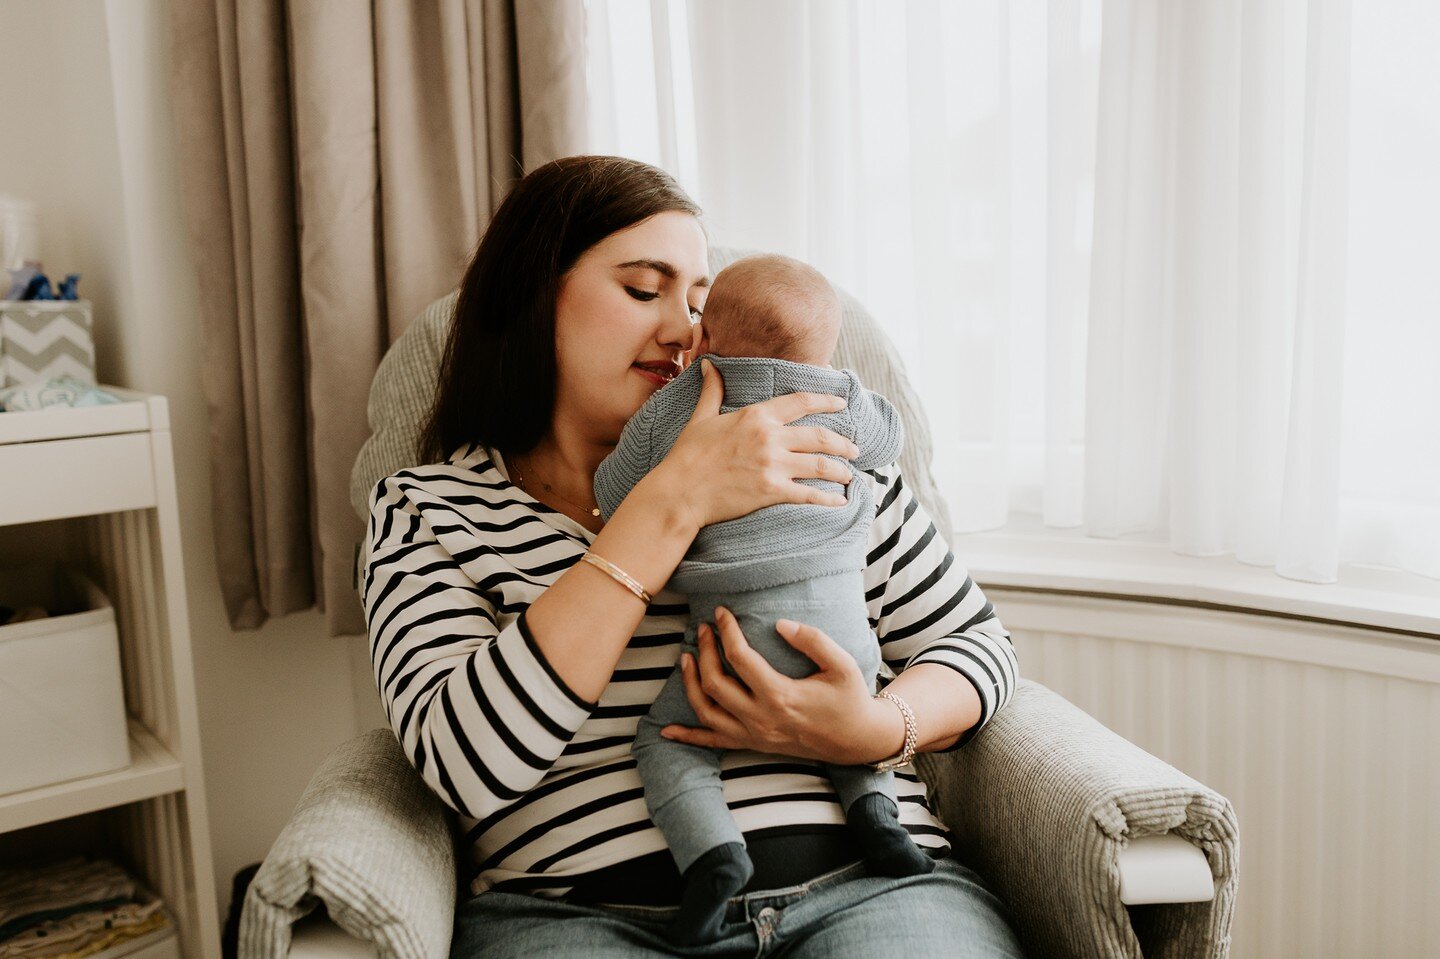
x: 1098, y: 848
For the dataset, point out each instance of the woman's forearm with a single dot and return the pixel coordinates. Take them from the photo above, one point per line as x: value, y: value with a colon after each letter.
x: 583, y: 622
x: 944, y: 702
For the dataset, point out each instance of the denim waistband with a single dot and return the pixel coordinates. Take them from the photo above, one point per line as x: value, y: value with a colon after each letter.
x: 742, y: 908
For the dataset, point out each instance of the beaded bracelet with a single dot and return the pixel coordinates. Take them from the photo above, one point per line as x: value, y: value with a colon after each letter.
x: 618, y: 575
x: 912, y: 738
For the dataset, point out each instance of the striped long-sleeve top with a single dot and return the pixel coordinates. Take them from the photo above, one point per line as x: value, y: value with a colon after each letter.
x: 542, y: 781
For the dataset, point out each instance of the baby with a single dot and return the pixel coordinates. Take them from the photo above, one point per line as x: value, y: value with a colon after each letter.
x: 770, y: 327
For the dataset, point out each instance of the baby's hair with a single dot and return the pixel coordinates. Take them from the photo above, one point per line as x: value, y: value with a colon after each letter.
x: 775, y: 306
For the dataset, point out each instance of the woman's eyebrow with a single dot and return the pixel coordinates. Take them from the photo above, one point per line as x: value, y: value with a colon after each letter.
x: 660, y: 266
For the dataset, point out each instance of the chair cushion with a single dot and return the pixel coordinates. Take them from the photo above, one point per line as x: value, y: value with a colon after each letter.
x: 371, y: 843
x: 404, y: 388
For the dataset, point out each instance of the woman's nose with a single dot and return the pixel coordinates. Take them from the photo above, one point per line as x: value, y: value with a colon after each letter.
x: 676, y: 330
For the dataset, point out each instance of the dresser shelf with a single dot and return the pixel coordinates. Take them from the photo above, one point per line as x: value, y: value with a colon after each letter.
x: 153, y: 771
x: 107, y: 474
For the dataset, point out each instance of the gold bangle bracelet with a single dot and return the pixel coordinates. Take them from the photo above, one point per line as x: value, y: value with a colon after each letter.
x: 907, y: 751
x: 618, y: 575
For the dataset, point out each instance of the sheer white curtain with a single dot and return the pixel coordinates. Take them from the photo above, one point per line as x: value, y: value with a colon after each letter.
x: 1159, y: 271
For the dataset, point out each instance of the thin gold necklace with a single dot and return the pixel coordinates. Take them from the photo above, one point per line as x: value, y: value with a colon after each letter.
x: 520, y: 478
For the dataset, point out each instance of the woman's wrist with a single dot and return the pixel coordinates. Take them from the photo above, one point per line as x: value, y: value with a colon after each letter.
x: 888, y: 730
x: 667, y: 504
x: 646, y: 537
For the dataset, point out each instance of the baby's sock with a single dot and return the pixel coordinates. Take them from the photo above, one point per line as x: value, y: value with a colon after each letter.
x: 713, y: 878
x: 889, y: 851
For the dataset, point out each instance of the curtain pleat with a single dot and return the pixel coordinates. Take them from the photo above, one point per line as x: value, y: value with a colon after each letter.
x: 1127, y: 338
x: 1262, y: 277
x: 1214, y: 408
x: 550, y: 40
x: 338, y: 94
x: 230, y: 84
x: 1309, y: 522
x: 339, y: 163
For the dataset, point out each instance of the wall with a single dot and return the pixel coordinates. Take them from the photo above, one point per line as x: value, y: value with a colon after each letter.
x: 89, y: 138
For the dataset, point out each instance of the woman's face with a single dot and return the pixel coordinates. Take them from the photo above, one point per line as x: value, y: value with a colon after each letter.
x: 623, y: 320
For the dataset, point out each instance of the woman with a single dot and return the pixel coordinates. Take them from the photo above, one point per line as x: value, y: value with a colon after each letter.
x: 514, y: 674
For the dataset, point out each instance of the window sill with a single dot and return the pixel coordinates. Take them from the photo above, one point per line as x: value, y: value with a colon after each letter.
x: 1028, y: 556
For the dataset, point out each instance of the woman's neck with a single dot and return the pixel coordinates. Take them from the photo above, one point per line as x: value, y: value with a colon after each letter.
x: 567, y: 466
x: 567, y: 463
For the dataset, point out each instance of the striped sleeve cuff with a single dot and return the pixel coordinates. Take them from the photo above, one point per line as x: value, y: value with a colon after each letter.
x: 978, y: 666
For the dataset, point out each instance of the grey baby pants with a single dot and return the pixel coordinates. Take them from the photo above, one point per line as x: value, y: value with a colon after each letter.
x: 682, y: 782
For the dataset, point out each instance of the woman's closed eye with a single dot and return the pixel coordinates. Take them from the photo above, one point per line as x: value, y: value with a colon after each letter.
x: 645, y: 296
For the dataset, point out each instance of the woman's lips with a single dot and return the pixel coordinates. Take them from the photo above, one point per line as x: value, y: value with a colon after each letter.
x: 653, y: 375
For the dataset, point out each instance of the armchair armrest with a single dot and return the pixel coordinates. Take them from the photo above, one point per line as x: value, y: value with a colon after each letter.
x: 316, y: 937
x: 370, y: 842
x: 1044, y: 802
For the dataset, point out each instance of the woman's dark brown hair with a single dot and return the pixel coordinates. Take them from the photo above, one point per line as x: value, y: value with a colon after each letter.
x: 497, y: 378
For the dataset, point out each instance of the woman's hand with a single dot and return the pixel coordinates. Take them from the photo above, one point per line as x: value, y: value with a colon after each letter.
x: 725, y: 465
x: 830, y: 715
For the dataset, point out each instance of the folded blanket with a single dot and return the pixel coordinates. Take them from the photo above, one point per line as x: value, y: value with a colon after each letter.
x: 31, y: 895
x: 73, y: 908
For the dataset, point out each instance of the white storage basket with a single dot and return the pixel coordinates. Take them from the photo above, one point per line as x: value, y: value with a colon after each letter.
x: 62, y: 700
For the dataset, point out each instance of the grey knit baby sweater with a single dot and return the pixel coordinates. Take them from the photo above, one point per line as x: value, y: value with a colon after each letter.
x: 777, y: 544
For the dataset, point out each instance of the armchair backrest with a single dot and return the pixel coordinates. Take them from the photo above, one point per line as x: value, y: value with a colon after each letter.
x: 404, y: 389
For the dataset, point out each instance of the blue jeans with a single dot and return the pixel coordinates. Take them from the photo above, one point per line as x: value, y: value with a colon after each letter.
x: 844, y: 913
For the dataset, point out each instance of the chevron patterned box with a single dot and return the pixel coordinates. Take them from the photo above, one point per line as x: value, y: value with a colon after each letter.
x: 43, y: 339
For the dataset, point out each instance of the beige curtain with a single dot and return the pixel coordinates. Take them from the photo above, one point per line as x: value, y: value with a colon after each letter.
x: 339, y: 160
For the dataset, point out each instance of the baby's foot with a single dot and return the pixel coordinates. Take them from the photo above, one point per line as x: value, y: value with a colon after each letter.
x: 889, y: 850
x: 713, y: 878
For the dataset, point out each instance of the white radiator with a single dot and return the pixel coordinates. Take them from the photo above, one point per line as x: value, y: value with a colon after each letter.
x: 1326, y: 739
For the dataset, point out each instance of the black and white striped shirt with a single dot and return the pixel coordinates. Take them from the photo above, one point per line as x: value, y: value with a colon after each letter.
x: 543, y: 782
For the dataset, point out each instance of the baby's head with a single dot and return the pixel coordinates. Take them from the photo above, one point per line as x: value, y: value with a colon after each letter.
x: 772, y: 306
